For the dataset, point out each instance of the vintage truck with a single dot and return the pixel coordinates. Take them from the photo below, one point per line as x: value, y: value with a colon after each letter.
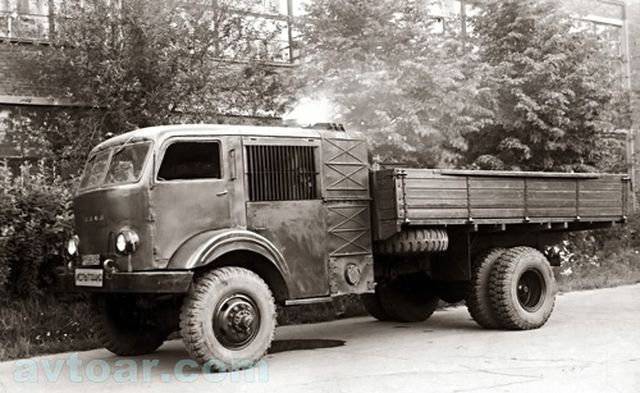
x: 206, y: 228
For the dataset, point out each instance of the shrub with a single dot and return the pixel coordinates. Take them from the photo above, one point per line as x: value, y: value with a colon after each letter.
x: 35, y: 221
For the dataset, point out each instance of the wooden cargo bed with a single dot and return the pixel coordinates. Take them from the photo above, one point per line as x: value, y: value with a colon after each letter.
x: 426, y: 197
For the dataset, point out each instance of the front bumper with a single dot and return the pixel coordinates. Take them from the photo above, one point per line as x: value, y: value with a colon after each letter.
x: 134, y: 282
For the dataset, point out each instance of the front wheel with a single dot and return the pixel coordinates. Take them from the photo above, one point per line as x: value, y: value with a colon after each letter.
x: 228, y: 319
x: 522, y: 289
x: 127, y: 326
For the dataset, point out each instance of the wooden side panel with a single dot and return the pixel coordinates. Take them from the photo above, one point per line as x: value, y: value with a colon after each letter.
x: 601, y: 198
x: 552, y: 198
x: 433, y: 197
x: 491, y: 197
x: 385, y: 204
x: 428, y: 195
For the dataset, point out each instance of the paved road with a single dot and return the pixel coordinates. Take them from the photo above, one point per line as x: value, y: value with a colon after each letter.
x: 591, y: 344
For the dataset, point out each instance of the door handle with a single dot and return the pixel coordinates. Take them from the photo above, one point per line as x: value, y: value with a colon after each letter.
x: 221, y: 193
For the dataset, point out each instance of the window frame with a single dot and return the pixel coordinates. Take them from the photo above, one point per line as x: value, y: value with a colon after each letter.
x: 114, y: 151
x: 183, y: 139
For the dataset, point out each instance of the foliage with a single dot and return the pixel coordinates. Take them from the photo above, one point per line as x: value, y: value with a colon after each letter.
x: 387, y: 74
x: 525, y: 89
x: 552, y: 91
x: 145, y: 64
x: 36, y: 219
x: 48, y: 325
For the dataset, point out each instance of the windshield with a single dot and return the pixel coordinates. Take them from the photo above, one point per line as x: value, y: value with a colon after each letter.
x: 118, y: 165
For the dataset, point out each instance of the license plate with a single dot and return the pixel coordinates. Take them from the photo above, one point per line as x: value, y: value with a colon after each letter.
x: 91, y: 260
x: 88, y: 278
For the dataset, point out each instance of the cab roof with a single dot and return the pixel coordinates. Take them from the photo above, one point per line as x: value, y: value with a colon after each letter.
x: 160, y: 133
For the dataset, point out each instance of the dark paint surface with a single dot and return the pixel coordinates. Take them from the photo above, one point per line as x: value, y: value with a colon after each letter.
x: 298, y: 230
x: 101, y: 214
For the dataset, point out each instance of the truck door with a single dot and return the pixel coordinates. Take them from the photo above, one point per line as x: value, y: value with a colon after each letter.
x: 284, y: 205
x: 190, y: 194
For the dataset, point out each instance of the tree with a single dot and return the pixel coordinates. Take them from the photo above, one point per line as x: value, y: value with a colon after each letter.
x: 139, y: 63
x: 386, y: 73
x: 553, y: 94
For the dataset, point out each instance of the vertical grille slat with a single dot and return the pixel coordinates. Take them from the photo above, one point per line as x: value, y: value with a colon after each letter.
x: 281, y: 173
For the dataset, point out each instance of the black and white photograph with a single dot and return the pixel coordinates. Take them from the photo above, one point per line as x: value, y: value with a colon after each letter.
x: 319, y: 196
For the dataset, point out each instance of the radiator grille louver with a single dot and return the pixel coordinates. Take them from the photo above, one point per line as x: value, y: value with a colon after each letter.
x: 281, y: 173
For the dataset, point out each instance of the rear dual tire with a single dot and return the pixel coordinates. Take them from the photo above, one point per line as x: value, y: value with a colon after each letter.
x: 512, y: 289
x: 522, y: 289
x: 407, y: 298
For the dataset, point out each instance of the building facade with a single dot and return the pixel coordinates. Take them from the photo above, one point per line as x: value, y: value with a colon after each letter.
x: 27, y: 25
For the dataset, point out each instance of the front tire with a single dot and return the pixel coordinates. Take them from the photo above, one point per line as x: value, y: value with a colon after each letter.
x: 522, y: 289
x: 228, y: 319
x: 127, y: 329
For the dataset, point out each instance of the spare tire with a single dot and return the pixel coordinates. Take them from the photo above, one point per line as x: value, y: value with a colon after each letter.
x: 414, y: 241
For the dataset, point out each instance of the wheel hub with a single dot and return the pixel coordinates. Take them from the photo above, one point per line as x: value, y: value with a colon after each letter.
x: 236, y: 321
x: 530, y: 290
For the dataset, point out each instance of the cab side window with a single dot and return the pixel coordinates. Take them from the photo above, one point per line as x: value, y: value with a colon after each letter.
x: 191, y: 160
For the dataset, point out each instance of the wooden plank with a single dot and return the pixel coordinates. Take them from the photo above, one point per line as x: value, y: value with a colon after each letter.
x: 492, y: 183
x: 436, y: 213
x: 557, y: 175
x: 599, y: 195
x: 551, y: 185
x: 496, y: 213
x: 601, y: 203
x: 547, y: 195
x: 540, y: 204
x: 552, y: 212
x: 436, y: 182
x: 436, y: 193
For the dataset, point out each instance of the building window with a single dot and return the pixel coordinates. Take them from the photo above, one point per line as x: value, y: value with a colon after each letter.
x: 281, y: 173
x: 28, y: 20
x: 190, y: 161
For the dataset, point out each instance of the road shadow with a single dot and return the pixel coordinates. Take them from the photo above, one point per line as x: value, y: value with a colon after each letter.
x: 303, y: 344
x: 173, y: 353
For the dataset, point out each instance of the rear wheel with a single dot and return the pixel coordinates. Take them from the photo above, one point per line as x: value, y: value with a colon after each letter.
x: 478, y: 299
x: 372, y: 304
x: 522, y: 289
x: 228, y: 319
x: 128, y: 328
x: 407, y: 298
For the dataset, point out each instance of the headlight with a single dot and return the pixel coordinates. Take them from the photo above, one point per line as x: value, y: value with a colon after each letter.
x: 72, y: 245
x: 127, y: 242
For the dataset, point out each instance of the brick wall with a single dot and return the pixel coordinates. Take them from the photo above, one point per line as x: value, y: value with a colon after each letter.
x: 17, y: 76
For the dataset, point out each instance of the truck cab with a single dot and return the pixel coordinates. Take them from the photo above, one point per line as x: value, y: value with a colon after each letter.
x: 293, y: 200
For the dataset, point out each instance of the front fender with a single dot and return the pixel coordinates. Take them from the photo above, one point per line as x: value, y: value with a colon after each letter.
x: 206, y: 247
